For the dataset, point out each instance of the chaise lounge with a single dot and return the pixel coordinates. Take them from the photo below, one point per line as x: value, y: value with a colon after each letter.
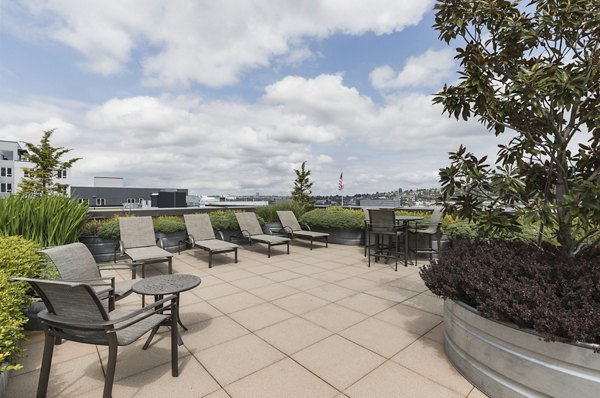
x: 252, y: 231
x: 200, y: 234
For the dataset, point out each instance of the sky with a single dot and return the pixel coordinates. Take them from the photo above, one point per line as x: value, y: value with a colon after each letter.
x: 229, y: 97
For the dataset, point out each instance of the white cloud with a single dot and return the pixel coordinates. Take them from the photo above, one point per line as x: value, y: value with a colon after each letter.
x: 225, y: 146
x: 211, y: 43
x: 426, y: 70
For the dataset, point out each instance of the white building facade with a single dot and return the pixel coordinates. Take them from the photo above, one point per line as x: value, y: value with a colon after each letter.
x: 13, y: 159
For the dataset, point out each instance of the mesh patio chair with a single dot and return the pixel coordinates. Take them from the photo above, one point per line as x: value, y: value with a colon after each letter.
x: 74, y: 312
x: 200, y: 234
x: 252, y: 231
x: 292, y: 227
x: 75, y: 263
x: 383, y: 224
x: 139, y: 244
x: 433, y: 229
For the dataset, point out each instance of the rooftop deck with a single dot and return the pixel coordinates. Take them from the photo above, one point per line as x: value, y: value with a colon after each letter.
x: 315, y: 323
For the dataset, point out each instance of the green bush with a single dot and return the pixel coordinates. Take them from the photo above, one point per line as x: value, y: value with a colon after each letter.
x: 269, y: 213
x: 334, y: 218
x: 224, y: 220
x: 109, y: 229
x: 47, y: 220
x: 168, y: 224
x: 18, y: 258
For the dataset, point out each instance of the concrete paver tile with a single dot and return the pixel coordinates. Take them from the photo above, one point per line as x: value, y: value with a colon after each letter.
x: 293, y: 334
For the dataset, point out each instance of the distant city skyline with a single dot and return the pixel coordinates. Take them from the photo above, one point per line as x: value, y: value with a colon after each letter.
x: 232, y: 96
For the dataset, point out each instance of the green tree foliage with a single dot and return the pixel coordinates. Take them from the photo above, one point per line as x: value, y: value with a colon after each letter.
x: 41, y: 179
x: 301, y: 193
x: 532, y: 68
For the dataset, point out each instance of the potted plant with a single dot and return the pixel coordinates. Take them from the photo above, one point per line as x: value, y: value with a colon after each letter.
x: 519, y: 73
x: 101, y: 236
x: 344, y: 226
x: 170, y: 230
x: 272, y: 224
x: 225, y: 224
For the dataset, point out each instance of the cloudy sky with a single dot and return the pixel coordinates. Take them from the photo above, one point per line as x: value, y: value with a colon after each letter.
x: 228, y: 97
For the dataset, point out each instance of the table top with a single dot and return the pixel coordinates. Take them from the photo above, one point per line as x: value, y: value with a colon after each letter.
x: 166, y: 284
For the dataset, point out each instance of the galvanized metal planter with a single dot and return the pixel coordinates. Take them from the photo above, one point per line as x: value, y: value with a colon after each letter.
x: 102, y: 249
x: 505, y: 361
x: 344, y: 237
x: 171, y: 240
x: 4, y: 382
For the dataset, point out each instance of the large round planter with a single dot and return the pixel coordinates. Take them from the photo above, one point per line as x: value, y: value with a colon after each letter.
x: 504, y: 361
x: 4, y: 382
x: 171, y: 240
x: 344, y: 237
x: 102, y: 249
x: 272, y: 228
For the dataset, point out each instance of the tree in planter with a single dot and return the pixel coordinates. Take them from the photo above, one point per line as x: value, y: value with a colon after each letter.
x: 301, y: 193
x: 41, y: 179
x: 534, y: 69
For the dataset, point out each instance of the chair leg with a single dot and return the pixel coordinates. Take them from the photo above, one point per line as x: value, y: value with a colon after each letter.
x: 210, y: 259
x: 430, y: 248
x: 235, y: 253
x: 269, y: 250
x: 170, y: 269
x: 112, y: 364
x: 311, y: 242
x: 288, y: 248
x: 326, y: 242
x: 46, y: 364
x: 174, y: 337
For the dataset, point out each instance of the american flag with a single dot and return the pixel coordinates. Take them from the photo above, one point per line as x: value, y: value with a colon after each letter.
x: 341, y: 182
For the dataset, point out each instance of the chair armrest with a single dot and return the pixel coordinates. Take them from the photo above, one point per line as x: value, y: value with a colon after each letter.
x: 102, y: 281
x: 220, y: 235
x: 246, y: 234
x: 121, y: 248
x: 305, y: 226
x: 288, y: 230
x: 161, y: 243
x: 132, y: 317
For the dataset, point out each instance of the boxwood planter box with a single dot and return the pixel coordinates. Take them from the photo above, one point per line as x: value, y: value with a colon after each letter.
x: 344, y: 236
x: 102, y: 249
x: 505, y: 361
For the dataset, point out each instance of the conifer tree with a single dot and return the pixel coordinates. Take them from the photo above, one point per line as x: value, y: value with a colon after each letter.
x: 42, y: 178
x: 302, y: 188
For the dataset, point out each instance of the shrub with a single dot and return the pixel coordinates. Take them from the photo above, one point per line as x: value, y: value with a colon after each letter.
x: 223, y: 220
x: 269, y: 213
x: 47, y: 220
x: 334, y: 218
x: 110, y: 229
x: 168, y: 224
x: 530, y: 286
x: 18, y: 258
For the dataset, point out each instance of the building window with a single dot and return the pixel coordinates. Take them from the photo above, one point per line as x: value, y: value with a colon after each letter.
x: 6, y: 172
x: 141, y: 200
x: 3, y: 187
x: 61, y: 174
x: 83, y: 200
x: 130, y: 200
x: 9, y: 187
x: 100, y: 201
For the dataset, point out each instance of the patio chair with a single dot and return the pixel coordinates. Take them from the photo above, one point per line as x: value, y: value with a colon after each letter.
x: 292, y: 227
x: 74, y: 312
x: 139, y: 244
x: 75, y: 263
x: 433, y: 229
x: 383, y: 224
x: 200, y: 234
x: 252, y: 231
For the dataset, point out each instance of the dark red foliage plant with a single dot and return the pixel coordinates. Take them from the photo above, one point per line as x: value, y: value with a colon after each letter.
x: 530, y: 286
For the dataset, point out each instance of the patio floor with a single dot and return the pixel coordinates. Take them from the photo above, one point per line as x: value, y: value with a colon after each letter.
x: 315, y: 323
